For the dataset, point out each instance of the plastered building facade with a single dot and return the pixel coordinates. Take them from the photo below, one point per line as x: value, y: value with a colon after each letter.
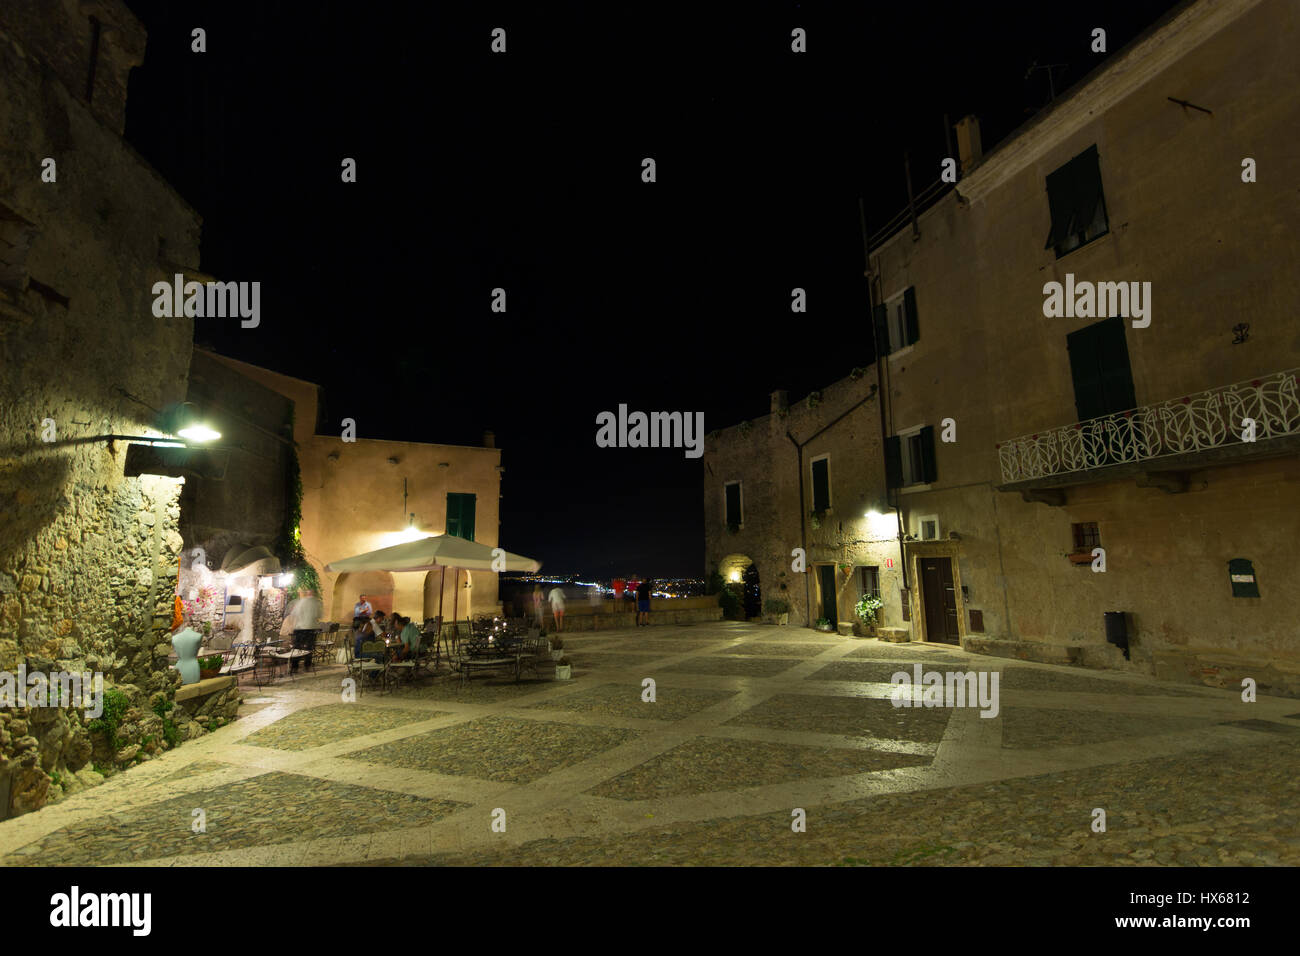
x: 361, y: 495
x: 806, y: 476
x: 1111, y: 431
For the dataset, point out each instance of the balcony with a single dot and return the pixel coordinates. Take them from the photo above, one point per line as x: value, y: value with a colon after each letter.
x: 1194, y: 431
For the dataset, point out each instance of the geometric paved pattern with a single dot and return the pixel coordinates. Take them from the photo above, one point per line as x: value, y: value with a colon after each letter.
x: 749, y: 722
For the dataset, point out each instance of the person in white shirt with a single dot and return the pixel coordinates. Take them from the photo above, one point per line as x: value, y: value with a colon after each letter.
x: 556, y: 597
x: 362, y: 609
x: 303, y: 616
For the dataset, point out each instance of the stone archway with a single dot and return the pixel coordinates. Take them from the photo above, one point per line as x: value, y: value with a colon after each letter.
x: 377, y: 586
x: 739, y: 574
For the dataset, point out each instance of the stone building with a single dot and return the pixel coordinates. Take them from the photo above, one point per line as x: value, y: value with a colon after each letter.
x: 235, y: 504
x: 808, y: 475
x: 1113, y: 427
x: 366, y: 494
x: 88, y: 555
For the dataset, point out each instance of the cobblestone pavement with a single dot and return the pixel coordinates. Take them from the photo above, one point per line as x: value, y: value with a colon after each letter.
x: 753, y: 745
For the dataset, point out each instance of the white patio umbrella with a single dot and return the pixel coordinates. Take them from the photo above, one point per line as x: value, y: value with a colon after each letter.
x: 437, y: 551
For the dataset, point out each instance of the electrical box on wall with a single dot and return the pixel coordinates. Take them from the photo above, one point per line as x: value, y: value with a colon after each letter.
x: 1241, y: 573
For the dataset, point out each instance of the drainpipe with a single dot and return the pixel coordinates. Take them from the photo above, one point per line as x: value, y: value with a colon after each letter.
x: 896, y: 499
x: 807, y: 585
x: 803, y: 534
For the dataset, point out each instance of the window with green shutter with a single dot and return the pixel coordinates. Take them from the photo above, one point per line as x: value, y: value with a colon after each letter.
x: 1077, y: 204
x: 460, y: 515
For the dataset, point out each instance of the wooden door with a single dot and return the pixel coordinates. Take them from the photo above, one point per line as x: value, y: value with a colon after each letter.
x: 939, y: 598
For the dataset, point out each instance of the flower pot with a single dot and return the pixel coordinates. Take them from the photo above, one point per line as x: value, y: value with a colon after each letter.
x: 783, y: 619
x: 563, y: 673
x: 208, y: 674
x: 556, y: 655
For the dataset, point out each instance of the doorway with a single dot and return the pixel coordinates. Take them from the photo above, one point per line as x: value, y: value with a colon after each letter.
x: 753, y: 598
x: 939, y: 600
x: 826, y: 576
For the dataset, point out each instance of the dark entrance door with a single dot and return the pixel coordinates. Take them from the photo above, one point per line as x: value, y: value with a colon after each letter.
x: 827, y: 575
x: 940, y: 599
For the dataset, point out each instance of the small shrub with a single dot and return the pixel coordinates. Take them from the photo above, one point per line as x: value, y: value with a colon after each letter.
x: 562, y: 662
x: 776, y: 606
x: 557, y: 643
x: 116, y: 705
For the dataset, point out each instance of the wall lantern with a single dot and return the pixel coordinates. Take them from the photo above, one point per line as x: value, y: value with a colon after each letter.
x: 191, y: 426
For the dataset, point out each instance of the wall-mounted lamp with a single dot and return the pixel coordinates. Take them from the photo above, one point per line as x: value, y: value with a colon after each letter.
x: 189, y: 424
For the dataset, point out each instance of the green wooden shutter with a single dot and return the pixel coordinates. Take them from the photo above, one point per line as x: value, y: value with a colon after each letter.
x: 1099, y: 365
x: 1085, y: 369
x: 928, y: 472
x: 893, y: 461
x: 1116, y: 372
x: 880, y: 317
x: 821, y: 481
x: 909, y: 305
x: 460, y: 515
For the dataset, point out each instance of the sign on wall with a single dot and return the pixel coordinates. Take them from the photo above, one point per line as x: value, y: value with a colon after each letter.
x: 1241, y: 573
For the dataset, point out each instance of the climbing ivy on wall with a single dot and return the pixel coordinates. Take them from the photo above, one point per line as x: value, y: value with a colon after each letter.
x: 289, y: 545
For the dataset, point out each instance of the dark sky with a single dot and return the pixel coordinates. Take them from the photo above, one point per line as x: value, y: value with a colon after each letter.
x: 523, y: 171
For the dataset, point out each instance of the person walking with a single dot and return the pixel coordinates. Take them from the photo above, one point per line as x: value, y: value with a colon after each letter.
x: 303, y: 617
x: 538, y: 602
x: 557, y: 607
x: 643, y: 604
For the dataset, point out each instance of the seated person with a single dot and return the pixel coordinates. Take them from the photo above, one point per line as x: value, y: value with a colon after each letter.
x: 369, y: 632
x: 410, y: 637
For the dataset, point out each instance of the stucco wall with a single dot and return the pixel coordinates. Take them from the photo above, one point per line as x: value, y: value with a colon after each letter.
x: 1217, y: 252
x: 763, y: 457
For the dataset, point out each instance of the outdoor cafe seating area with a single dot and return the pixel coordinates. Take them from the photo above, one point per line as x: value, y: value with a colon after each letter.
x: 507, y: 647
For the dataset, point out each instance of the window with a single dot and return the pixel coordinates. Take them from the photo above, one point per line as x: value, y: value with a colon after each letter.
x: 909, y: 458
x: 1086, y: 537
x: 460, y: 516
x: 871, y: 581
x: 1077, y: 205
x: 731, y: 504
x: 928, y: 527
x: 896, y: 322
x: 821, y: 483
x: 1099, y: 366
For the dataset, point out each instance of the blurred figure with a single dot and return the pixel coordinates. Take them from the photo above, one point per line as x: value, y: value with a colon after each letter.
x: 538, y: 602
x: 643, y: 603
x: 557, y: 607
x: 619, y: 585
x: 596, y: 596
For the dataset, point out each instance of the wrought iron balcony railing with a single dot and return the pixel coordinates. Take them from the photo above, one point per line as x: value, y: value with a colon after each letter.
x: 1206, y: 420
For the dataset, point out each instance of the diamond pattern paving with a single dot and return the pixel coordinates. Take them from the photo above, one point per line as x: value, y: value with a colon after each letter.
x: 497, y: 748
x: 702, y: 765
x: 849, y: 716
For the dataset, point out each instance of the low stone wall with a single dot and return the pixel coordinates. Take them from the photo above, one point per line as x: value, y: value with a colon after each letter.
x: 207, y: 702
x: 612, y: 620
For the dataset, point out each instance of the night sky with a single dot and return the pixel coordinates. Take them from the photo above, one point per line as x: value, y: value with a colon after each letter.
x: 523, y: 171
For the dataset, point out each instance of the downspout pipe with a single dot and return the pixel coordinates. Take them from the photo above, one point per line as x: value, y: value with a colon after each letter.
x: 803, y: 533
x: 803, y: 517
x: 896, y: 499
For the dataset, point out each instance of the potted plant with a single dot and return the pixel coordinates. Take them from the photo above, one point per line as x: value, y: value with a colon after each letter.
x: 823, y: 624
x: 557, y: 648
x: 210, y: 666
x: 777, y: 609
x: 866, y: 610
x: 563, y: 669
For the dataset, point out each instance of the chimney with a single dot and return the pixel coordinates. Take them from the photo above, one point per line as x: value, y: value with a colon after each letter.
x: 489, y: 440
x: 780, y: 401
x: 969, y: 150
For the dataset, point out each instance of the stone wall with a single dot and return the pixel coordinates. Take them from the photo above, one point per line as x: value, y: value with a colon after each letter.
x: 88, y: 557
x: 841, y: 421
